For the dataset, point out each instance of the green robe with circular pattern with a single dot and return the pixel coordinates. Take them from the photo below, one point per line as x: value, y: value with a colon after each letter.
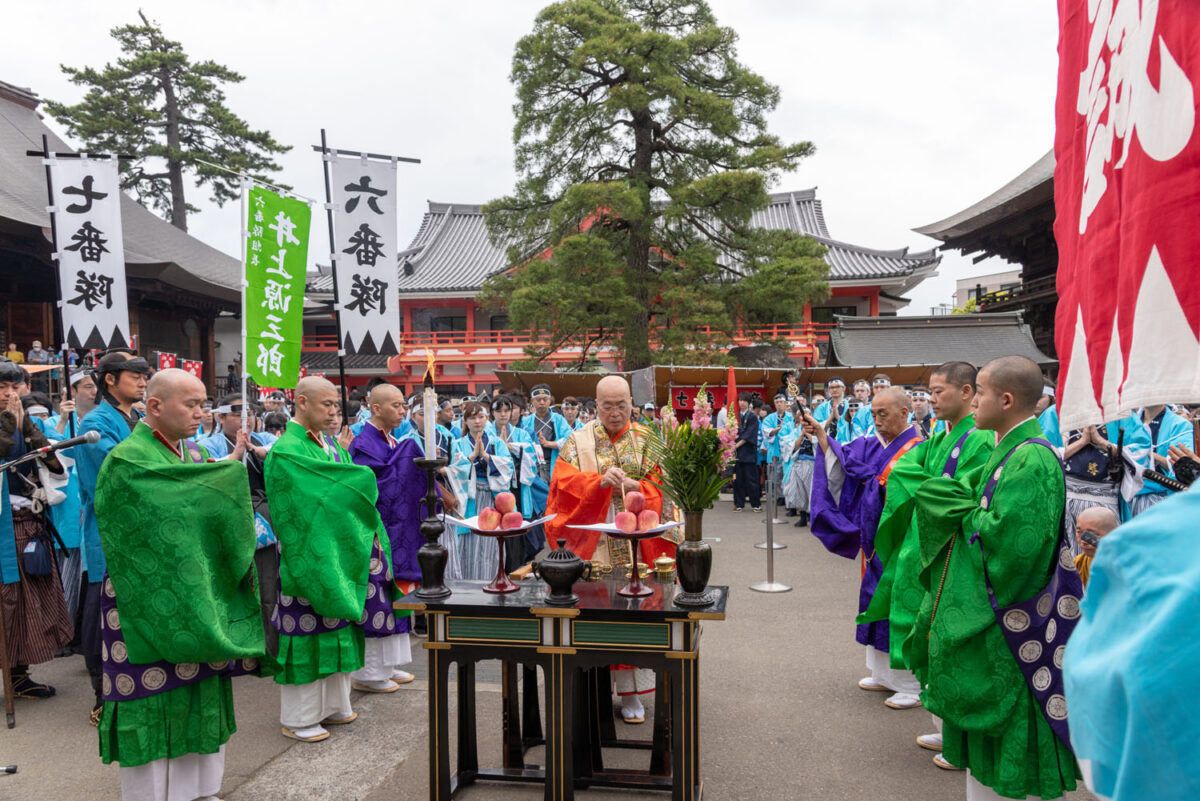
x: 902, y: 588
x: 991, y: 722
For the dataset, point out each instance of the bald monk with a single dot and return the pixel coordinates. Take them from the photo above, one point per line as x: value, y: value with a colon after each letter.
x: 1096, y: 520
x: 401, y: 489
x: 598, y: 464
x: 329, y: 531
x: 992, y: 724
x: 179, y: 601
x: 849, y: 491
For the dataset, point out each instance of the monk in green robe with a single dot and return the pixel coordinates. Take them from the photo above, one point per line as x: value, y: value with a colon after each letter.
x: 991, y: 723
x: 958, y: 449
x: 178, y: 530
x: 323, y: 512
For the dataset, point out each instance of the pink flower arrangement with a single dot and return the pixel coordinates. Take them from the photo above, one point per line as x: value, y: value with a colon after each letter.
x: 702, y: 418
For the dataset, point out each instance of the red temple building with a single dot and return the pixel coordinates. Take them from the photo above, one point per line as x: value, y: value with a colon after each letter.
x: 450, y: 257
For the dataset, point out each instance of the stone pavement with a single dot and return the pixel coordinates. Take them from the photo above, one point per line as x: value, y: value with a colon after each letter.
x: 782, y: 717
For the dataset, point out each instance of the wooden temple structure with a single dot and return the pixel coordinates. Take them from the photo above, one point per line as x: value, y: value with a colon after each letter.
x: 1016, y: 223
x: 444, y: 267
x: 176, y: 284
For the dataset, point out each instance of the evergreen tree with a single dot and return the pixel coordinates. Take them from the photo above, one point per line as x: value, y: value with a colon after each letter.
x: 167, y: 112
x: 642, y: 150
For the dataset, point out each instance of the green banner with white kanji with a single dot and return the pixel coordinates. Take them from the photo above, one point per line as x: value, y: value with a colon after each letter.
x: 276, y: 262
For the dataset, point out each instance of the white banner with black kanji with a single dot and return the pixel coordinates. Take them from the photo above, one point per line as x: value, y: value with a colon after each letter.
x: 91, y: 255
x: 364, y: 223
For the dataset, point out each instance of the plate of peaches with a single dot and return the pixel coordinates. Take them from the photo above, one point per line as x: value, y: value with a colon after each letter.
x: 636, y: 522
x: 500, y: 520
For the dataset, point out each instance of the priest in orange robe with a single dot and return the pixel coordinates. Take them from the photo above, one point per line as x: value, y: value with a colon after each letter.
x: 597, y: 465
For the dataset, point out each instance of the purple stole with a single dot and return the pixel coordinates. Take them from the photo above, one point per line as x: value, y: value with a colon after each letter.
x: 847, y: 527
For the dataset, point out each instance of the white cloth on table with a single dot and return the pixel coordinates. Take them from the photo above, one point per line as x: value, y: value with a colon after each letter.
x: 895, y: 679
x: 184, y: 778
x: 303, y: 705
x: 382, y: 655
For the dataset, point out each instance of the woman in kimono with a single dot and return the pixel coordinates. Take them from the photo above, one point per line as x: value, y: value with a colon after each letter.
x: 522, y: 470
x: 482, y: 464
x: 798, y: 462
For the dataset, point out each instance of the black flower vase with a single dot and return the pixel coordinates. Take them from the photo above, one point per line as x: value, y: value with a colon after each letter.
x: 693, y: 563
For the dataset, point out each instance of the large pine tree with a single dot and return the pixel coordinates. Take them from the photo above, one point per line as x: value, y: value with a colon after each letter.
x: 169, y: 114
x: 642, y: 150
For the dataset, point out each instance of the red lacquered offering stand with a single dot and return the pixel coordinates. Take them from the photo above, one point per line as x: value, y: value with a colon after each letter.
x: 501, y: 583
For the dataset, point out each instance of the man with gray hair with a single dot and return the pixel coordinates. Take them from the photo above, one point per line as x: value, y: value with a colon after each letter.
x: 848, y: 494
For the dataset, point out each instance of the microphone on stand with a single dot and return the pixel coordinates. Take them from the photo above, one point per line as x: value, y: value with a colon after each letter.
x: 82, y: 439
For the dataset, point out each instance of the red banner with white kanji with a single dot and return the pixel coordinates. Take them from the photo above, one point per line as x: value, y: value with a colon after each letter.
x: 166, y: 361
x: 684, y: 398
x: 1127, y: 201
x: 195, y: 367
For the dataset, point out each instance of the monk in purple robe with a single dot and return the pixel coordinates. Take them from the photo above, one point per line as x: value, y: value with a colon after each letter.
x: 848, y: 492
x: 401, y: 488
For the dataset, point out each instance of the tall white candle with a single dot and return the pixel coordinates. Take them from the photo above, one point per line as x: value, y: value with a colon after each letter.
x: 430, y: 407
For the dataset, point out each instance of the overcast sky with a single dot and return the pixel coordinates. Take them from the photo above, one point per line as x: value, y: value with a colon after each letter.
x: 917, y: 109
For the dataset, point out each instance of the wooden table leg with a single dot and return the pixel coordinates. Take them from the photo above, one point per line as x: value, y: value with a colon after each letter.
x: 514, y: 753
x: 531, y: 712
x: 604, y: 705
x: 560, y: 691
x: 439, y: 724
x: 468, y: 751
x: 660, y: 748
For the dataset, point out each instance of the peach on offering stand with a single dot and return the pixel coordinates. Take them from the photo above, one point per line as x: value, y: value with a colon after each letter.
x: 489, y: 519
x: 505, y: 502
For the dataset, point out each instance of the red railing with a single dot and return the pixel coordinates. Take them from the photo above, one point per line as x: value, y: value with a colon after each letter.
x: 810, y: 332
x: 414, y: 343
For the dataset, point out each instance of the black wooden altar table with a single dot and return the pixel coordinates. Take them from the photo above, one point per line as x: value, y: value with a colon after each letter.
x: 574, y: 647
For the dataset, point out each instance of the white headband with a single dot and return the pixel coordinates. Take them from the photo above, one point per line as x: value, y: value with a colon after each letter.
x: 37, y: 409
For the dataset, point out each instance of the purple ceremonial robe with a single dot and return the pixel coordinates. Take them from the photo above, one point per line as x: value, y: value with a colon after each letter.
x: 401, y: 489
x: 847, y: 528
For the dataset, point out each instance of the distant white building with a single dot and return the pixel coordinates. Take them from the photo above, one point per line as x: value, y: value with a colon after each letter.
x: 967, y: 288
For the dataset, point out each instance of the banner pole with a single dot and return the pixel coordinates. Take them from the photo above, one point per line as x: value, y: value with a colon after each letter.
x: 57, y: 277
x: 337, y: 305
x: 245, y: 285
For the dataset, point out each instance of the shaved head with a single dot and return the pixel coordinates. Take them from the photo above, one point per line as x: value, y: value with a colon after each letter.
x: 316, y: 403
x: 382, y: 393
x: 1019, y: 376
x: 387, y: 406
x: 613, y: 386
x: 889, y: 408
x: 314, y: 385
x: 892, y: 395
x: 166, y: 383
x: 1098, y: 519
x: 614, y: 403
x: 175, y: 403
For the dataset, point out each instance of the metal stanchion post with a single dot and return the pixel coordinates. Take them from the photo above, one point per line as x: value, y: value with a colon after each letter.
x: 770, y: 585
x: 776, y: 470
x: 769, y: 519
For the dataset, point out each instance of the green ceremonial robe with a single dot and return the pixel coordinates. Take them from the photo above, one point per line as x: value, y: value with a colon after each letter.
x: 991, y: 724
x: 180, y: 544
x: 323, y: 512
x: 902, y: 588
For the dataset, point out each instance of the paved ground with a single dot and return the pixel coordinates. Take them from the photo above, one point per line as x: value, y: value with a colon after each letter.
x: 782, y: 716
